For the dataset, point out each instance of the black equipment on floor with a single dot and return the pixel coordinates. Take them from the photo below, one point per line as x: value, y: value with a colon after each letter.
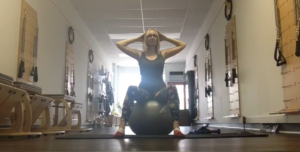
x: 205, y: 130
x: 192, y: 100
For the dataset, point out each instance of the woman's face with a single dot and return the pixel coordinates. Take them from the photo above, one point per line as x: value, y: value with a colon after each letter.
x: 151, y: 38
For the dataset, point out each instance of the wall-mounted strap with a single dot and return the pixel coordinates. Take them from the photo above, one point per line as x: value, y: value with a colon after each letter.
x: 22, y: 62
x: 278, y: 56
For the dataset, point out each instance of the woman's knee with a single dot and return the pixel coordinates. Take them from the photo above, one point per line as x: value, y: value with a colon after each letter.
x: 172, y: 87
x: 132, y: 88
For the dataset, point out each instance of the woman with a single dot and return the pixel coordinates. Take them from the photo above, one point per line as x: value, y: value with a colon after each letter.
x: 151, y: 61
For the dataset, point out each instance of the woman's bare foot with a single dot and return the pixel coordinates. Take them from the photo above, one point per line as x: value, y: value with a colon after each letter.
x: 119, y: 133
x: 177, y: 131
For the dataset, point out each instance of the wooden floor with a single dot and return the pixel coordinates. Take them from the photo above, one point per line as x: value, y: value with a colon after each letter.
x: 274, y: 143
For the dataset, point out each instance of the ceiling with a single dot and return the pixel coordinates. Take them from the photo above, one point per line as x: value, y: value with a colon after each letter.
x: 111, y: 21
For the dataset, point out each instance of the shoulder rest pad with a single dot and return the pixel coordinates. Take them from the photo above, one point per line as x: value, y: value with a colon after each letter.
x: 32, y: 87
x: 6, y: 77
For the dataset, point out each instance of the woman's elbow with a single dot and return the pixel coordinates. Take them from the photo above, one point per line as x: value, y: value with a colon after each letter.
x: 118, y: 44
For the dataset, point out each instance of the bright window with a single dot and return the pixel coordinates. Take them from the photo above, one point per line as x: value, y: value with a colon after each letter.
x: 126, y: 80
x: 187, y: 96
x: 180, y: 90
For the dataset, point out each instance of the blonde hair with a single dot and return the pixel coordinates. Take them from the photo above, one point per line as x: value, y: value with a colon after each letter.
x: 157, y: 48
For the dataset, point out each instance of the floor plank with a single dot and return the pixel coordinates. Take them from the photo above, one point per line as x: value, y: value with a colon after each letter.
x: 275, y: 142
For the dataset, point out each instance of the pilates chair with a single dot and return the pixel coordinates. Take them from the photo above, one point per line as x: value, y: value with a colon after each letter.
x: 15, y: 104
x: 71, y: 108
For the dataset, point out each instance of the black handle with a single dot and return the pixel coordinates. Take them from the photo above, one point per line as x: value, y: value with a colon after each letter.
x: 32, y: 71
x: 207, y: 42
x: 21, y: 69
x: 228, y: 17
x: 280, y: 60
x: 226, y: 79
x: 35, y: 77
x: 67, y: 92
x: 195, y: 61
x: 90, y: 96
x: 208, y: 91
x: 297, y: 53
x: 73, y: 77
x: 234, y: 75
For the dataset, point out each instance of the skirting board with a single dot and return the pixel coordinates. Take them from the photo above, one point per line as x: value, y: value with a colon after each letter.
x: 228, y: 127
x: 280, y: 118
x: 254, y: 129
x: 290, y: 132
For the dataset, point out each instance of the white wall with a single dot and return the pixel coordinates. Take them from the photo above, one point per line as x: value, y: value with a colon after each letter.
x: 129, y: 70
x: 259, y: 77
x: 10, y: 11
x: 54, y: 18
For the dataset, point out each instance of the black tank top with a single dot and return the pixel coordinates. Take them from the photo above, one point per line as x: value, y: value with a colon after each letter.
x: 152, y: 73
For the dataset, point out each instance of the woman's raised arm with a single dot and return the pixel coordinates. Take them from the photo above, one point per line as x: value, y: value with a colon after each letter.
x: 123, y: 46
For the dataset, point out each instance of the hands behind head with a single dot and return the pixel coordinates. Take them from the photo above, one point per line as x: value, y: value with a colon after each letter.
x: 161, y: 37
x: 141, y: 38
